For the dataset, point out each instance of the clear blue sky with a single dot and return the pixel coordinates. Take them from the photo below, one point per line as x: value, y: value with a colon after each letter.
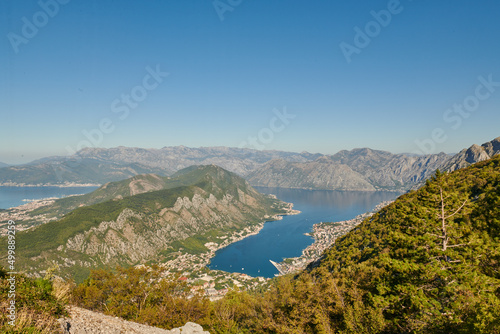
x: 226, y: 76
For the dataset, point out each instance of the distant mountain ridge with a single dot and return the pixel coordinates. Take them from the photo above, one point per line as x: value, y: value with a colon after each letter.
x: 359, y: 169
x: 98, y: 165
x: 68, y: 171
x: 366, y: 169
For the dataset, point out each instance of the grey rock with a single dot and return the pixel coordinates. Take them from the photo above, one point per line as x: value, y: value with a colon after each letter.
x: 473, y: 154
x: 82, y: 321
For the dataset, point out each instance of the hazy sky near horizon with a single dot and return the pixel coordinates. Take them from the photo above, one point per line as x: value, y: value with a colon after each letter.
x: 295, y: 75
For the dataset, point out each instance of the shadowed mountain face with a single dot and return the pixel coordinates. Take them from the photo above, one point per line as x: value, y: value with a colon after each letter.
x: 145, y: 218
x: 367, y: 170
x: 359, y: 169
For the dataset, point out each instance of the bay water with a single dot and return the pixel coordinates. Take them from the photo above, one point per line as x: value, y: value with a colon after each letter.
x: 277, y: 240
x: 285, y: 238
x: 15, y: 196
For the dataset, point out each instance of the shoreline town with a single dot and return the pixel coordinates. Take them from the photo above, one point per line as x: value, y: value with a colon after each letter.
x: 324, y: 235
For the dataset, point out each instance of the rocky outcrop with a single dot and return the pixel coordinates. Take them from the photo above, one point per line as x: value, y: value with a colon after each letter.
x: 473, y: 154
x: 134, y: 237
x: 82, y: 321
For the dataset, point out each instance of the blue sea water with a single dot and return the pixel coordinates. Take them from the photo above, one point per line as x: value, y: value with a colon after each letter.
x: 14, y: 196
x: 285, y: 238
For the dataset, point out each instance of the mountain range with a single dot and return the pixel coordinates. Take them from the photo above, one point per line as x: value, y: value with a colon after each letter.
x: 359, y: 169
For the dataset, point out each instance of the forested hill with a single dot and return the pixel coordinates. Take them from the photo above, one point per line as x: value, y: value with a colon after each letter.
x: 199, y: 205
x: 428, y: 263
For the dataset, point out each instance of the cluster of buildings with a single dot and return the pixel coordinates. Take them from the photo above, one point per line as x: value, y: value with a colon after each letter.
x: 182, y: 261
x: 20, y: 215
x: 214, y: 284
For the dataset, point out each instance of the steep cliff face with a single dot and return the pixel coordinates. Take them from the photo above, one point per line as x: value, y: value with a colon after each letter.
x: 200, y: 205
x: 320, y: 174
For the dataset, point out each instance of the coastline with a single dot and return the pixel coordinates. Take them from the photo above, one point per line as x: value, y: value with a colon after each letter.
x: 188, y: 261
x: 56, y: 185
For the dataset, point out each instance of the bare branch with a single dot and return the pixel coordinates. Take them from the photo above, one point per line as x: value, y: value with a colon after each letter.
x: 437, y: 236
x: 454, y: 213
x: 460, y: 245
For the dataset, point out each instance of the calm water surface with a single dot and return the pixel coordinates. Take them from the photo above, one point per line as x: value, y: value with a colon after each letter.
x: 285, y: 238
x: 14, y: 196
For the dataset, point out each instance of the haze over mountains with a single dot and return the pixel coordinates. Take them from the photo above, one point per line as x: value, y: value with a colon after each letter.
x: 359, y: 169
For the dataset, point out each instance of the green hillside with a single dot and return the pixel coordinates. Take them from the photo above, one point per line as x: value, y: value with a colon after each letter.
x: 112, y: 190
x: 141, y: 184
x: 428, y: 263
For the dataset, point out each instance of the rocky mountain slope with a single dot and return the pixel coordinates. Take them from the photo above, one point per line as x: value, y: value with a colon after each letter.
x: 473, y: 154
x: 201, y: 205
x: 366, y: 169
x: 360, y: 169
x: 117, y: 190
x: 171, y: 159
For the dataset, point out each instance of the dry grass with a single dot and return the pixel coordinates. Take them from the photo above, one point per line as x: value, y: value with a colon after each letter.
x: 62, y: 289
x: 27, y: 321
